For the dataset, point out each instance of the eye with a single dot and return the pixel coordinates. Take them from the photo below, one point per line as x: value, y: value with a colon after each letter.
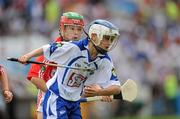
x: 109, y: 38
x: 106, y: 37
x: 79, y: 29
x: 112, y: 38
x: 72, y: 28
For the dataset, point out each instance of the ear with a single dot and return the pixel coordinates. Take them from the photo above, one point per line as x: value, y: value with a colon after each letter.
x: 61, y: 31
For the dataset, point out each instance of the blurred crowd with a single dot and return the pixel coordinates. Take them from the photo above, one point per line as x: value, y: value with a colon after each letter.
x: 148, y: 50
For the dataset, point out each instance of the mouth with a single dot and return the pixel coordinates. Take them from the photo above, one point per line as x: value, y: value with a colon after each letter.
x: 106, y: 47
x: 75, y: 38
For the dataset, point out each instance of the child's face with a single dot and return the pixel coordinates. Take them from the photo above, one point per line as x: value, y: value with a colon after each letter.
x: 72, y: 32
x: 107, y: 42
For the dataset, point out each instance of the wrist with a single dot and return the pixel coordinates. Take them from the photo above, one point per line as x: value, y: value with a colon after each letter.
x: 28, y: 56
x: 98, y: 93
x: 4, y: 91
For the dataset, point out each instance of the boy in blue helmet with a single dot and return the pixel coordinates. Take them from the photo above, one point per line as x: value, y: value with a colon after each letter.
x: 61, y: 100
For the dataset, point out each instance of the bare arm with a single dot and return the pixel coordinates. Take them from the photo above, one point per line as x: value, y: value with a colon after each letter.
x: 39, y: 83
x: 94, y: 90
x: 5, y: 86
x: 4, y: 80
x: 34, y: 53
x: 111, y: 90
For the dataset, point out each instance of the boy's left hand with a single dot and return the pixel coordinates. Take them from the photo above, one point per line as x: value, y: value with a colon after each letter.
x: 107, y: 99
x: 91, y: 90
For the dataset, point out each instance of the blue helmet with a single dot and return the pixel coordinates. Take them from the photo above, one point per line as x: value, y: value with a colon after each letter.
x: 103, y: 28
x: 104, y: 23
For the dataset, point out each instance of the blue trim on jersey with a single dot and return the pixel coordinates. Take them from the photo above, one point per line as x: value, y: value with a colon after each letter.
x: 46, y: 97
x: 82, y: 46
x: 96, y: 65
x: 113, y: 77
x: 53, y: 47
x: 89, y: 57
x: 54, y: 87
x: 70, y: 63
x: 81, y: 43
x: 105, y: 56
x: 50, y: 112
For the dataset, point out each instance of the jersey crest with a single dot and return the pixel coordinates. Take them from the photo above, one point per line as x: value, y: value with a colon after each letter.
x: 54, y: 46
x: 76, y: 80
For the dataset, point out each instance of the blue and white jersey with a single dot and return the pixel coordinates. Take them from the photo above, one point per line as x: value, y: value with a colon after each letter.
x: 68, y: 83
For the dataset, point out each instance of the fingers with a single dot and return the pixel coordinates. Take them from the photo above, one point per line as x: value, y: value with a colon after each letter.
x: 107, y: 99
x: 91, y: 90
x: 88, y: 91
x: 23, y: 59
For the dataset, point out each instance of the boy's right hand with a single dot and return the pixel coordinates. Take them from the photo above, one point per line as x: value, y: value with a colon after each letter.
x: 23, y: 59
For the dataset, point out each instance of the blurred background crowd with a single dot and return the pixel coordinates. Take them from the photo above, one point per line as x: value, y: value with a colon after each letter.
x: 148, y: 50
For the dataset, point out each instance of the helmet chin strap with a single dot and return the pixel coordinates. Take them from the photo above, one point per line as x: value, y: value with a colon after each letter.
x: 98, y: 49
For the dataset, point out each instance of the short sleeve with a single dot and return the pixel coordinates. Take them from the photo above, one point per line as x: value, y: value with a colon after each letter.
x: 105, y: 76
x: 59, y: 52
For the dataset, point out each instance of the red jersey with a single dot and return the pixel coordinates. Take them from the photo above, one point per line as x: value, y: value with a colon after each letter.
x: 42, y: 71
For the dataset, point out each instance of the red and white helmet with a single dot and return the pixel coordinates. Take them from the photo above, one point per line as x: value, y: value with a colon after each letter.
x: 71, y: 18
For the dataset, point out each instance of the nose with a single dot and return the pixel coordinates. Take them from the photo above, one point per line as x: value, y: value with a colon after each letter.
x: 76, y: 34
x: 76, y: 31
x: 108, y: 42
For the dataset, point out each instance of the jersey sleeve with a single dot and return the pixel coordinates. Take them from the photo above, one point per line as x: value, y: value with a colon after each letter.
x: 59, y: 52
x: 105, y: 76
x: 35, y: 68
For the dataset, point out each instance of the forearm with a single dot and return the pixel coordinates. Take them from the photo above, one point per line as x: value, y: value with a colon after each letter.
x: 39, y: 83
x: 35, y: 53
x: 23, y: 59
x: 4, y: 81
x: 111, y: 90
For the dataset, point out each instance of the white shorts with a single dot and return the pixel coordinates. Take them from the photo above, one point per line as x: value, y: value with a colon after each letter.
x: 40, y: 98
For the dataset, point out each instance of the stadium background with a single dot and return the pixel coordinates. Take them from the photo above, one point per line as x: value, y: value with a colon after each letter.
x: 148, y: 52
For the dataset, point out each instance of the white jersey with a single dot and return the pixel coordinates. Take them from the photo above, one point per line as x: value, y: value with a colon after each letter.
x: 69, y: 83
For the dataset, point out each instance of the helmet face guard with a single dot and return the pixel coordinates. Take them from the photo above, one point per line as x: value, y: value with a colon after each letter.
x: 113, y: 39
x: 104, y: 30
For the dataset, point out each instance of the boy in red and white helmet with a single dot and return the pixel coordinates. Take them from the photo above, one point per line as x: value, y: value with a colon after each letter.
x: 70, y: 28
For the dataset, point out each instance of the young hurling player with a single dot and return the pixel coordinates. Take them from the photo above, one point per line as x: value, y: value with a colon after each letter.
x: 71, y: 28
x: 61, y: 100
